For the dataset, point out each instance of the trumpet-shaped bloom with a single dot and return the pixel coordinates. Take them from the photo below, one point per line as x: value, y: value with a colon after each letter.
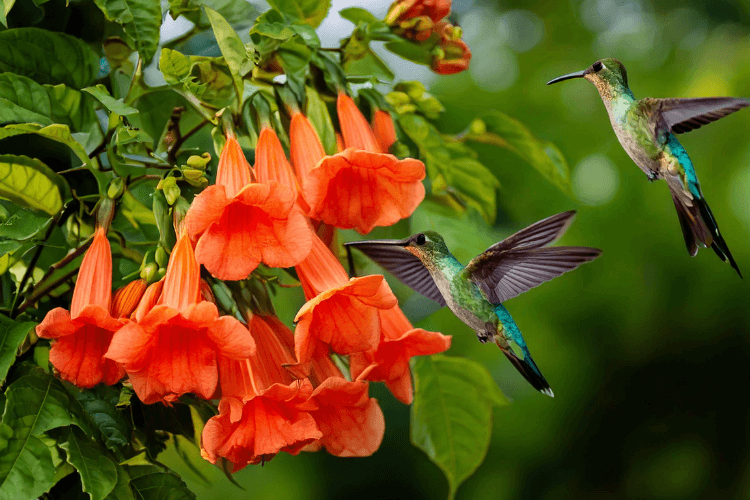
x: 355, y: 130
x: 359, y: 189
x: 389, y: 362
x: 270, y: 161
x: 339, y: 312
x: 171, y: 348
x: 260, y: 414
x: 305, y: 150
x: 384, y: 130
x: 82, y: 336
x: 240, y: 225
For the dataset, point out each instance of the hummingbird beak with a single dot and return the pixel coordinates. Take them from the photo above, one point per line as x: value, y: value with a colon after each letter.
x: 395, y: 243
x: 569, y: 76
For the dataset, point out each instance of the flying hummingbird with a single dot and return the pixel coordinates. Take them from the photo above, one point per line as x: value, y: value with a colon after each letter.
x: 646, y: 128
x: 474, y: 293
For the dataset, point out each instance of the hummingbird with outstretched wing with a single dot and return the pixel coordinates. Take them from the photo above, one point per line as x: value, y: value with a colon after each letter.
x: 475, y: 292
x: 646, y: 129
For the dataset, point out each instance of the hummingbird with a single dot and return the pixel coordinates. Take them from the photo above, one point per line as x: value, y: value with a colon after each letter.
x: 646, y: 129
x: 475, y: 292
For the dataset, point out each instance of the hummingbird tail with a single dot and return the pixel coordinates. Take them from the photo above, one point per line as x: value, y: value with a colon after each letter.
x: 529, y: 370
x: 699, y: 226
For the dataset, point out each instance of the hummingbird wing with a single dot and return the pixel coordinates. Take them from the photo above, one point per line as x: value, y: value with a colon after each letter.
x: 519, y: 263
x: 402, y: 264
x: 683, y: 115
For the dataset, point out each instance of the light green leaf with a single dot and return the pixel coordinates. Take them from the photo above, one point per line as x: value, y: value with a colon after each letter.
x: 31, y: 184
x: 98, y: 473
x: 230, y: 44
x: 23, y: 225
x: 76, y: 109
x: 419, y: 53
x: 23, y: 100
x: 317, y: 113
x: 501, y: 130
x: 117, y: 106
x: 56, y: 132
x: 140, y: 19
x: 155, y: 483
x: 48, y: 57
x: 369, y: 65
x: 357, y: 15
x: 6, y: 6
x: 451, y: 418
x: 310, y: 12
x: 12, y: 334
x: 100, y: 409
x: 26, y: 468
x: 234, y: 11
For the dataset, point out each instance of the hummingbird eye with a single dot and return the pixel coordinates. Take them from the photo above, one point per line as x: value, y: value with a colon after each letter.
x: 420, y: 239
x: 597, y: 66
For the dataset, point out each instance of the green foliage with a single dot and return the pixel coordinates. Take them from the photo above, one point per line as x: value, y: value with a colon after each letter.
x: 310, y: 12
x: 140, y: 19
x: 31, y: 184
x: 99, y: 475
x: 452, y: 414
x: 12, y: 334
x: 234, y: 11
x: 101, y: 94
x: 156, y: 483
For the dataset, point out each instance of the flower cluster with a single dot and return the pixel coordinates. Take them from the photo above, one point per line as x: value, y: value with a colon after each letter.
x: 277, y: 390
x: 423, y: 21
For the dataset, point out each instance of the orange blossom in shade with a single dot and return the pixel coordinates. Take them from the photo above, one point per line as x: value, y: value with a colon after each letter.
x: 361, y: 187
x: 259, y: 413
x: 453, y: 55
x: 389, y: 362
x: 82, y: 336
x: 171, y: 348
x: 384, y: 130
x: 340, y: 312
x: 239, y: 223
x: 402, y: 10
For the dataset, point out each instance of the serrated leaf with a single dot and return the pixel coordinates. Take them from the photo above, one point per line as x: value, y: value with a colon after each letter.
x: 26, y: 468
x: 317, y: 112
x: 30, y: 183
x: 12, y: 334
x: 22, y: 100
x: 117, y: 106
x: 451, y: 418
x: 48, y: 57
x: 98, y: 473
x: 140, y: 19
x: 501, y: 130
x: 100, y: 408
x: 234, y: 11
x: 155, y: 483
x: 310, y: 12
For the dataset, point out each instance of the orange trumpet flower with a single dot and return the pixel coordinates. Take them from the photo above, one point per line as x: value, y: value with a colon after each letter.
x: 384, y: 130
x: 171, y: 346
x: 239, y: 223
x: 82, y: 336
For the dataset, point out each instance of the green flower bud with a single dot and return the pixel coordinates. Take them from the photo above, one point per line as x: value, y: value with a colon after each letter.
x: 149, y: 272
x: 116, y: 188
x: 199, y: 162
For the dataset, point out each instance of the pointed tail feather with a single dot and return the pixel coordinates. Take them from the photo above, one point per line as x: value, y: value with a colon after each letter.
x: 529, y: 370
x: 699, y: 226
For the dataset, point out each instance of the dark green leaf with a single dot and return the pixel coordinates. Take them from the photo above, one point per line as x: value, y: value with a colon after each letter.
x: 317, y: 113
x: 101, y: 94
x: 56, y: 132
x: 98, y: 473
x: 310, y: 12
x: 22, y: 225
x: 26, y: 468
x: 22, y: 100
x: 369, y: 65
x: 415, y: 52
x: 234, y: 11
x: 155, y: 483
x: 12, y: 334
x: 48, y: 57
x: 140, y: 19
x: 503, y: 131
x: 451, y: 418
x: 357, y: 15
x: 31, y: 184
x: 122, y: 490
x: 100, y: 409
x: 294, y: 58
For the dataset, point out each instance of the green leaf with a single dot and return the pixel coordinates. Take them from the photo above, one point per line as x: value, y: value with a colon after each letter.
x: 317, y: 113
x: 419, y: 53
x: 23, y: 100
x: 369, y: 65
x: 140, y: 19
x: 501, y: 130
x: 295, y: 58
x: 117, y: 106
x: 357, y: 15
x: 26, y: 468
x: 310, y: 12
x: 31, y: 184
x: 48, y: 57
x: 22, y: 225
x: 76, y: 109
x: 230, y: 44
x: 100, y: 409
x: 6, y: 6
x: 234, y: 11
x: 12, y: 334
x: 155, y: 483
x: 451, y: 418
x: 98, y: 473
x: 122, y: 490
x: 56, y: 132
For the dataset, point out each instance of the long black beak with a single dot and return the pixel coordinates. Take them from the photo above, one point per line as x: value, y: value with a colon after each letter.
x: 569, y: 76
x: 370, y: 244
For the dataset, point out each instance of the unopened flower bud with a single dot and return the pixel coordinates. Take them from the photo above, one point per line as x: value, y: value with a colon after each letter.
x: 149, y: 271
x: 116, y: 188
x: 161, y: 257
x: 126, y: 298
x: 199, y: 162
x: 170, y: 188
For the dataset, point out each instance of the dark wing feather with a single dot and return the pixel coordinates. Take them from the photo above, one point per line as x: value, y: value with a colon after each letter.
x: 684, y: 115
x: 504, y: 275
x: 403, y: 265
x: 537, y: 235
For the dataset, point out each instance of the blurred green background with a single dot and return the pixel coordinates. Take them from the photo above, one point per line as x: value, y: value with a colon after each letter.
x: 646, y: 348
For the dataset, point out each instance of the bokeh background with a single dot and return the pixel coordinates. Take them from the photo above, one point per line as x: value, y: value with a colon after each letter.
x: 646, y: 349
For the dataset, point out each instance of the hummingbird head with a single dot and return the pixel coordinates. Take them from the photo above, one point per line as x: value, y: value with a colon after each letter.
x: 426, y: 246
x: 606, y: 74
